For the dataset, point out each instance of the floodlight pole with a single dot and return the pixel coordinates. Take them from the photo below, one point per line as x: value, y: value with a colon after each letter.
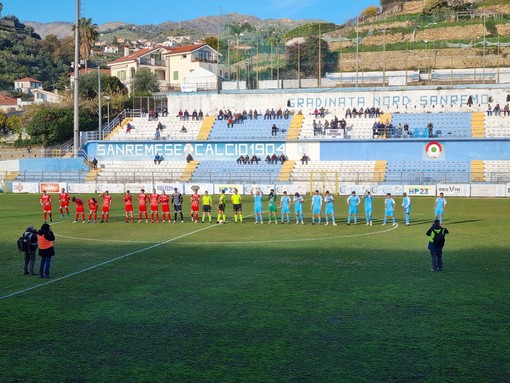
x: 99, y: 101
x: 76, y: 129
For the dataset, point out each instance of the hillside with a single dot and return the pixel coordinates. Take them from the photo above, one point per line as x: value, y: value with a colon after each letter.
x: 197, y: 28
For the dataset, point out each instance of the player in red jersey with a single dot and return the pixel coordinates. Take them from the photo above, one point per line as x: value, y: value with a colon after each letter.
x: 46, y: 204
x: 128, y: 203
x: 154, y: 202
x: 164, y: 199
x: 93, y: 209
x: 142, y: 206
x: 64, y: 198
x: 195, y: 202
x: 107, y: 204
x: 79, y: 209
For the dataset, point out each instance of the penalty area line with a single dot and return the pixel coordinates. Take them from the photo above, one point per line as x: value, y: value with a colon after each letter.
x: 55, y: 280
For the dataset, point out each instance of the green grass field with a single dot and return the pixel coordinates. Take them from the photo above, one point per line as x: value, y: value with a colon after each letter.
x: 251, y: 303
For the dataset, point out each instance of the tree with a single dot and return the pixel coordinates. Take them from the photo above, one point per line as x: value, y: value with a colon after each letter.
x: 109, y: 85
x: 306, y: 57
x: 145, y: 82
x: 89, y: 33
x: 15, y: 124
x: 369, y: 12
x: 50, y: 125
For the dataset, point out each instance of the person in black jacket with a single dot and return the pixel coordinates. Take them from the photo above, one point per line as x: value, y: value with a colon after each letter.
x: 31, y: 236
x: 45, y: 238
x: 437, y: 235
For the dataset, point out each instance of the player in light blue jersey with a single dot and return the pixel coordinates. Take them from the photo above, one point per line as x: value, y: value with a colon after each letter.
x: 298, y: 208
x: 353, y: 201
x: 330, y: 208
x: 257, y: 206
x: 406, y: 205
x: 285, y: 206
x: 368, y: 207
x: 439, y: 207
x: 316, y: 207
x: 389, y: 209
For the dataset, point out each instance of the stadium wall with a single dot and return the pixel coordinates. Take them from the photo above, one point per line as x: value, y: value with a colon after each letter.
x: 52, y: 164
x: 346, y: 150
x: 408, y: 99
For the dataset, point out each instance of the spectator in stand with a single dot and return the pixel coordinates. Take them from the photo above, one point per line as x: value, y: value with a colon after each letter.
x: 255, y: 159
x: 194, y: 115
x: 189, y: 158
x: 255, y: 114
x: 361, y: 112
x: 274, y: 130
x: 367, y: 112
x: 184, y: 130
x: 267, y: 115
x: 375, y: 129
x: 274, y: 159
x: 354, y: 112
x: 348, y: 113
x: 430, y: 128
x: 129, y: 127
x: 186, y: 114
x: 200, y: 114
x: 279, y: 114
x: 165, y: 112
x: 489, y: 110
x: 94, y: 163
x: 273, y: 114
x: 246, y: 159
x: 497, y: 110
x: 326, y: 124
x: 157, y: 135
x: 322, y: 112
x: 220, y: 115
x: 240, y: 160
x: 282, y: 158
x: 319, y: 128
x: 180, y: 115
x: 268, y: 159
x: 286, y: 114
x: 304, y: 159
x: 316, y: 113
x: 157, y: 159
x: 314, y: 127
x: 506, y: 110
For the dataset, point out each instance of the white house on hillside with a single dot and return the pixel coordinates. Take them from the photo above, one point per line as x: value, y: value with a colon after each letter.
x: 27, y: 84
x: 171, y: 65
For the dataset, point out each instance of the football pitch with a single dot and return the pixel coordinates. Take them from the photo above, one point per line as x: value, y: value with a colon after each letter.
x: 259, y: 303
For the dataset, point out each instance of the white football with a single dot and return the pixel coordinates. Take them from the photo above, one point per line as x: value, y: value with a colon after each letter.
x: 221, y: 221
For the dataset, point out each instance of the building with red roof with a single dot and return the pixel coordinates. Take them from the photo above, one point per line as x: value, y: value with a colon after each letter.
x: 171, y: 65
x: 26, y: 84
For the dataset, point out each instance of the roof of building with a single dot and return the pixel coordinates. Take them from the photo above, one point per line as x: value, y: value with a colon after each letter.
x: 184, y: 49
x: 27, y: 79
x: 135, y: 55
x: 7, y: 100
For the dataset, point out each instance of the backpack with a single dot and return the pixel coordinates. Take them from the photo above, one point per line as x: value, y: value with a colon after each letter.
x: 23, y: 243
x: 438, y: 239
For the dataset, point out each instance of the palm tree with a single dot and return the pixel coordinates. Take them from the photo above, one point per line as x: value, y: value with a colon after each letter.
x: 89, y: 33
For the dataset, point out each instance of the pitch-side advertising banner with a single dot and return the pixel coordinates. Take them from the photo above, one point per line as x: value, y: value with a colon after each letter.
x: 112, y: 188
x: 420, y: 190
x: 265, y: 189
x: 348, y: 189
x: 508, y: 189
x: 168, y: 188
x: 52, y: 187
x: 385, y: 189
x: 25, y: 187
x: 136, y: 188
x: 81, y: 188
x: 202, y: 187
x: 488, y: 190
x: 457, y: 190
x: 229, y: 188
x: 290, y: 189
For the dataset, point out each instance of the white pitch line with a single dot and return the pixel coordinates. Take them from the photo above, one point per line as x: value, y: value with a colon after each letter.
x: 19, y: 292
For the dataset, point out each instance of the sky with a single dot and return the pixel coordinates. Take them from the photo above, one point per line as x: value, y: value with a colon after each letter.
x: 158, y: 11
